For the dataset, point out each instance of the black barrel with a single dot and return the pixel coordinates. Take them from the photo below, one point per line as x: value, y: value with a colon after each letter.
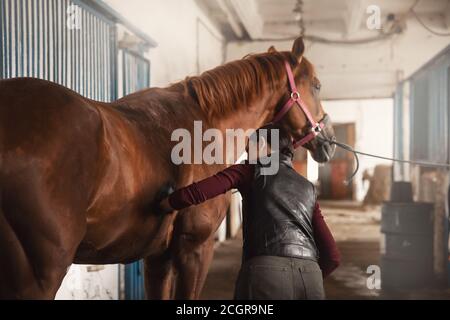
x: 401, y: 191
x: 407, y: 253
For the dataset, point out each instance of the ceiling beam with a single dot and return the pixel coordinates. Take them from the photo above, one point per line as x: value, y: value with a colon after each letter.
x: 354, y: 16
x: 279, y: 29
x: 224, y: 5
x: 248, y: 13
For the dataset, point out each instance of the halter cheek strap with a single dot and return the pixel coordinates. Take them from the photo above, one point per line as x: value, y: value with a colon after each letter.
x: 295, y: 98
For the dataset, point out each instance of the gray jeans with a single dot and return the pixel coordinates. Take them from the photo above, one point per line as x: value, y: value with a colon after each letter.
x: 279, y: 278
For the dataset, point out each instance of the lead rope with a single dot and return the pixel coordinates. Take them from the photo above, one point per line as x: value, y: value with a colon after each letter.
x: 355, y: 154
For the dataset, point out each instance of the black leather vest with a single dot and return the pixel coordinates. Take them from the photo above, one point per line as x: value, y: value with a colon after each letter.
x: 278, y: 214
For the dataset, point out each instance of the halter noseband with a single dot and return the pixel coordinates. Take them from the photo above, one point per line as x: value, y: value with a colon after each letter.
x: 316, y: 127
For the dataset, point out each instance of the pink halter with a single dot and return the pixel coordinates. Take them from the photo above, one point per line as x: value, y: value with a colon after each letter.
x: 316, y: 127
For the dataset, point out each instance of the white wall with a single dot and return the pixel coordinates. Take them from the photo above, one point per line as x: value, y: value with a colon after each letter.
x: 374, y: 130
x: 187, y: 41
x: 90, y: 283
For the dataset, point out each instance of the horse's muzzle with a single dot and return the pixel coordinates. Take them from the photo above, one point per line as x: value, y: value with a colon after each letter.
x: 321, y: 149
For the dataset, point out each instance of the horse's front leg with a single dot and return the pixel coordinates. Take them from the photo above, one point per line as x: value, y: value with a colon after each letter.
x: 193, y: 248
x: 159, y: 277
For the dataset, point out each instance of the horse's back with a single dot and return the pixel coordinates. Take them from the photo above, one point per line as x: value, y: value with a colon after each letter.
x: 47, y: 132
x: 41, y: 116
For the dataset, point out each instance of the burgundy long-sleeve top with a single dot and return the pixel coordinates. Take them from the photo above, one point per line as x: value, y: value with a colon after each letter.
x: 240, y: 177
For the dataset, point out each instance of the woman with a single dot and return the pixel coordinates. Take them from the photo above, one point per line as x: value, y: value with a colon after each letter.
x: 288, y: 248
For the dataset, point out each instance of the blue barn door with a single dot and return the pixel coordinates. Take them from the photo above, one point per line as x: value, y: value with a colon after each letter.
x: 135, y: 76
x: 134, y: 281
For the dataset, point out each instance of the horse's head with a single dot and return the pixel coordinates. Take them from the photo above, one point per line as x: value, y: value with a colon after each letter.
x: 295, y: 120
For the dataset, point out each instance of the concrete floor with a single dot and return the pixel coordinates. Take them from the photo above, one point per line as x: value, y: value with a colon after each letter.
x: 357, y: 232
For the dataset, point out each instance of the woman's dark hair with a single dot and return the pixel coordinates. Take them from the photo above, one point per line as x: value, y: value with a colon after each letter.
x: 285, y: 140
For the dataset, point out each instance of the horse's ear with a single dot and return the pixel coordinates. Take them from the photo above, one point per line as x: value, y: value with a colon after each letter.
x: 298, y: 49
x: 272, y: 49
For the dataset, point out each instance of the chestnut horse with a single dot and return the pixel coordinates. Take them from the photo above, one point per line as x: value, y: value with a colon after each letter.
x: 78, y: 178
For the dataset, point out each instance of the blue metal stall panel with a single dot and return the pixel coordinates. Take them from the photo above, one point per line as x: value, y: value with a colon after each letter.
x: 135, y: 77
x: 38, y: 39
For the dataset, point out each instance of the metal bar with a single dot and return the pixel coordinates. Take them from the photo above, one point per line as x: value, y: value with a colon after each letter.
x: 28, y: 38
x: 3, y: 39
x: 138, y: 70
x: 108, y: 63
x: 95, y: 54
x: 124, y: 74
x: 78, y: 56
x: 102, y: 61
x: 51, y: 17
x: 61, y: 27
x: 104, y: 78
x: 65, y: 32
x: 81, y: 53
x: 75, y: 57
x: 10, y: 37
x: 87, y: 26
x: 105, y: 62
x: 2, y: 31
x: 85, y: 56
x: 113, y: 42
x: 39, y: 24
x: 48, y: 41
x: 129, y: 71
x: 22, y: 39
x: 91, y: 54
x: 149, y: 73
x: 100, y: 67
x: 55, y: 42
x: 16, y: 36
x: 127, y: 75
x: 72, y: 59
x: 134, y: 74
x: 99, y: 59
x: 95, y: 50
x: 33, y: 38
x: 88, y: 55
x: 7, y: 37
x: 68, y: 54
x: 16, y: 39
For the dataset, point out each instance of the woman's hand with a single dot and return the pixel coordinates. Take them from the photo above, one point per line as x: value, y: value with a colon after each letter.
x: 161, y: 203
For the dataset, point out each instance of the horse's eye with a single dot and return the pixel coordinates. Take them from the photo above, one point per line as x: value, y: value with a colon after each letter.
x: 317, y: 86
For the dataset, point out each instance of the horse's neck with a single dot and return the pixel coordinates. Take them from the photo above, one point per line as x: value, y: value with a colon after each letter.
x: 162, y: 107
x: 254, y: 116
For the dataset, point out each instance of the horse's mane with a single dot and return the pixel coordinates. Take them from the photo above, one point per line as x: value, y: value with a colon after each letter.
x: 235, y: 85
